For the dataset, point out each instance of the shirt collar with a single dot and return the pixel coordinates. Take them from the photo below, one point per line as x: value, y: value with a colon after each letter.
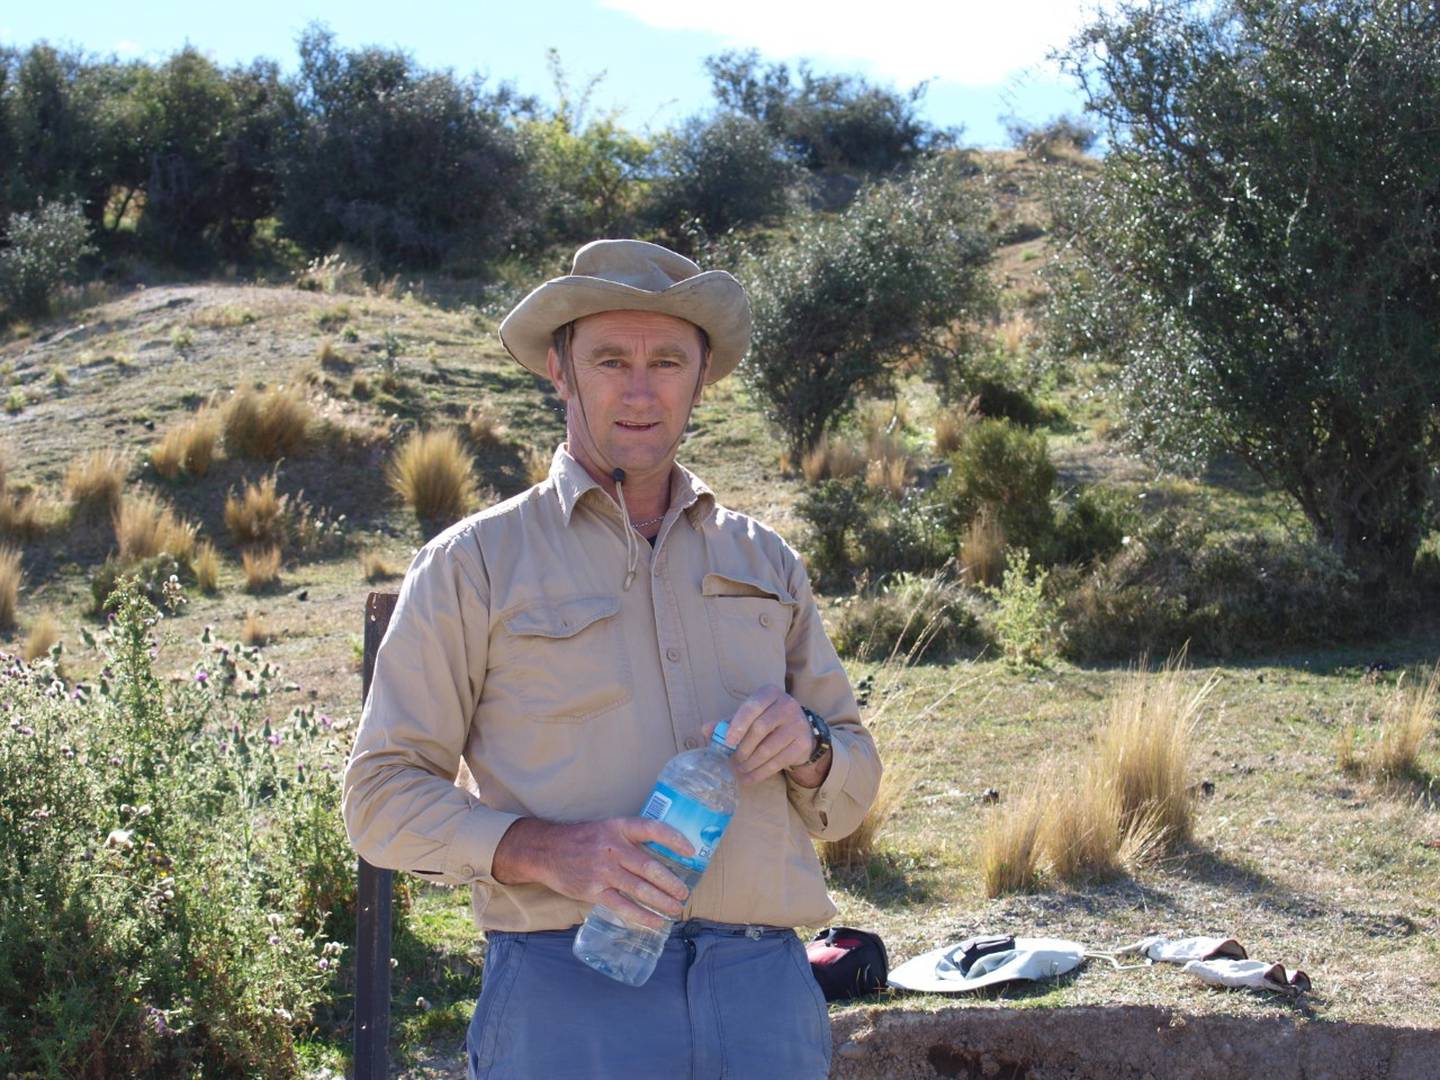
x: 687, y: 491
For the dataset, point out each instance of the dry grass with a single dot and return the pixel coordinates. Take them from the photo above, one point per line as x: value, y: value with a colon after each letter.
x: 95, y: 484
x: 262, y: 568
x: 888, y: 464
x: 982, y: 550
x: 268, y: 424
x: 1084, y: 835
x: 375, y: 568
x: 23, y: 516
x: 188, y: 448
x: 537, y: 464
x: 433, y: 472
x: 11, y: 578
x: 254, y: 632
x: 1143, y: 752
x: 1408, y: 718
x: 952, y: 424
x: 207, y: 567
x: 331, y: 358
x: 43, y: 634
x: 1010, y: 846
x: 258, y: 515
x: 484, y: 427
x: 832, y: 459
x: 1013, y: 336
x: 146, y: 526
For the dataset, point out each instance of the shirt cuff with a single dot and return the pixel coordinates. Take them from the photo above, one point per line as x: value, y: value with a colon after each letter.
x: 813, y: 804
x: 470, y: 855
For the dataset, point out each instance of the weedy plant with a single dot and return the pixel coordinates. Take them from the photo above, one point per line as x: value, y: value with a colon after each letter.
x: 432, y: 472
x: 1026, y: 622
x: 177, y: 883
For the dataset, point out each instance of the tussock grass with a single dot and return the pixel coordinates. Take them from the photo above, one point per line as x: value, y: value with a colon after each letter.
x: 331, y: 358
x: 537, y: 465
x: 376, y: 568
x: 432, y: 472
x: 982, y: 550
x: 268, y: 424
x: 11, y: 578
x: 1013, y: 336
x: 832, y: 459
x: 484, y: 427
x: 951, y: 425
x: 254, y: 632
x: 360, y: 388
x: 1408, y: 718
x: 262, y: 568
x: 95, y: 484
x: 259, y: 514
x: 206, y: 565
x: 1084, y: 835
x: 23, y: 516
x: 43, y: 634
x: 888, y: 464
x: 1143, y: 751
x: 1010, y: 846
x: 145, y: 525
x: 188, y: 447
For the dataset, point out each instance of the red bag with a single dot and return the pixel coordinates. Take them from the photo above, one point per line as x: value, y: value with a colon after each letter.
x: 848, y: 963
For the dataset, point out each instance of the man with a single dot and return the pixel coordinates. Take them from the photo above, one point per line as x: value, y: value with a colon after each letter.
x: 569, y: 641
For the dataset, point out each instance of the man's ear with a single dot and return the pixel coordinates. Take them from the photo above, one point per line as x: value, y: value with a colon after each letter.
x: 557, y: 375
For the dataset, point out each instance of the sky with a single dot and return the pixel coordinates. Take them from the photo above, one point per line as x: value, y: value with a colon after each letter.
x: 982, y: 61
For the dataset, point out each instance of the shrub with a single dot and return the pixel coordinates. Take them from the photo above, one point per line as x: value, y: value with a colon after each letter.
x: 268, y: 425
x: 432, y: 472
x: 188, y: 829
x: 262, y: 568
x: 95, y: 484
x: 146, y: 526
x: 149, y: 577
x: 719, y: 174
x: 841, y: 305
x: 259, y: 515
x: 1093, y: 525
x: 1058, y: 137
x: 913, y: 616
x: 1008, y: 469
x: 188, y: 448
x: 1026, y: 622
x: 43, y: 250
x: 12, y: 576
x: 207, y: 567
x: 854, y: 529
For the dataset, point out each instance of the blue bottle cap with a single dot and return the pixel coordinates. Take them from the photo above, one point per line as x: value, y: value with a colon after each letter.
x: 721, y: 729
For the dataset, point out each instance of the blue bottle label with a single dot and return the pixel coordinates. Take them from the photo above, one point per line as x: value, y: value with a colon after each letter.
x: 699, y: 824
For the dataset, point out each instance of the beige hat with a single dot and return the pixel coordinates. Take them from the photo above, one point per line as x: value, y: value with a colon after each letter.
x: 632, y: 275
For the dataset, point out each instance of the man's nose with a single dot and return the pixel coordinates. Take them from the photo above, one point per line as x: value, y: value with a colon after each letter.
x: 640, y: 385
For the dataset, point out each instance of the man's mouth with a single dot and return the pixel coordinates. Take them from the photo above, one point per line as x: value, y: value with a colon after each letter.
x: 630, y: 425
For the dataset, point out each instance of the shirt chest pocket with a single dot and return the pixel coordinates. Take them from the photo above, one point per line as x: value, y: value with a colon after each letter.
x: 565, y: 660
x: 749, y: 620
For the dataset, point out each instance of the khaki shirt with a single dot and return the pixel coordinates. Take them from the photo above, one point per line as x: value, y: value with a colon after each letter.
x: 515, y: 646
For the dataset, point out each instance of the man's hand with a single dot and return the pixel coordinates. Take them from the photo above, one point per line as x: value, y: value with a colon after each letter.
x: 769, y: 732
x: 599, y: 862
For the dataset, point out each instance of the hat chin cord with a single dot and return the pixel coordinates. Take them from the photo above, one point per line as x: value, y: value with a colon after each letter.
x: 617, y: 474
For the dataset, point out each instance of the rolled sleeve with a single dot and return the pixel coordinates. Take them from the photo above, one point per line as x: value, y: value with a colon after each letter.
x: 816, y: 678
x: 401, y: 806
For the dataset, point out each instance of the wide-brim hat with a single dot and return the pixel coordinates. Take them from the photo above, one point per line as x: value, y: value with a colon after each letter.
x: 941, y: 971
x: 632, y: 275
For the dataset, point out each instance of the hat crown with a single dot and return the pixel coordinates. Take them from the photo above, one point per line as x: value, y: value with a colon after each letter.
x: 636, y: 263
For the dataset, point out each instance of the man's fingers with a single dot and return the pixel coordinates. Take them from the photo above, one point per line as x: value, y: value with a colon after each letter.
x: 643, y: 830
x: 649, y: 868
x: 771, y: 756
x: 749, y: 709
x: 630, y: 911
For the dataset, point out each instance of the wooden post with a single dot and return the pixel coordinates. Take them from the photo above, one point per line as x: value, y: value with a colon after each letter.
x: 372, y: 920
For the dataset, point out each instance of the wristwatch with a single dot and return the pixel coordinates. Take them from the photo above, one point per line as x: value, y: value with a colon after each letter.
x: 821, y: 730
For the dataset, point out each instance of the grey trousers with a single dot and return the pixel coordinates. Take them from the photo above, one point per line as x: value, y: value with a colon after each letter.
x: 725, y: 1002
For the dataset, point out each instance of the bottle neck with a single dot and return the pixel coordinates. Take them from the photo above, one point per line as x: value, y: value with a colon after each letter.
x: 717, y: 739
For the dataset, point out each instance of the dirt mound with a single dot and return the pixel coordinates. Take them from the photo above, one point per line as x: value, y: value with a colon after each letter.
x: 1122, y: 1043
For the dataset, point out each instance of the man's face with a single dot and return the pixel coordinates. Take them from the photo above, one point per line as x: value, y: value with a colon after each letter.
x: 637, y: 374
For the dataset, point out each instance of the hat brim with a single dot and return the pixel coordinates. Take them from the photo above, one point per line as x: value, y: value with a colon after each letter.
x: 713, y: 301
x: 1031, y: 959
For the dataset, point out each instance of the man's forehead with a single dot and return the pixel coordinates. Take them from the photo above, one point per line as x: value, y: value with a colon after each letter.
x: 612, y: 327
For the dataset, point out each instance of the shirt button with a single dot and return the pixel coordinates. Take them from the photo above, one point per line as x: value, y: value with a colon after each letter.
x: 692, y: 743
x: 764, y: 619
x: 467, y: 871
x: 672, y: 654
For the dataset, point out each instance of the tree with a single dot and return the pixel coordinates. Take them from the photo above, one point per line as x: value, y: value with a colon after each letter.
x: 1262, y: 248
x: 853, y: 294
x: 409, y: 165
x: 718, y: 174
x: 826, y: 121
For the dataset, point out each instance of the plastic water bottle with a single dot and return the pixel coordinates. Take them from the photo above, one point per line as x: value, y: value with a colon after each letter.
x: 695, y: 795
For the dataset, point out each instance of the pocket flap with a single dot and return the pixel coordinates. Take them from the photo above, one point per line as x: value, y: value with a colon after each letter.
x: 726, y: 585
x: 560, y: 618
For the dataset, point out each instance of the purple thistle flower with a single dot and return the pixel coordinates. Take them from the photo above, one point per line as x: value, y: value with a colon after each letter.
x: 202, y: 677
x: 276, y: 739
